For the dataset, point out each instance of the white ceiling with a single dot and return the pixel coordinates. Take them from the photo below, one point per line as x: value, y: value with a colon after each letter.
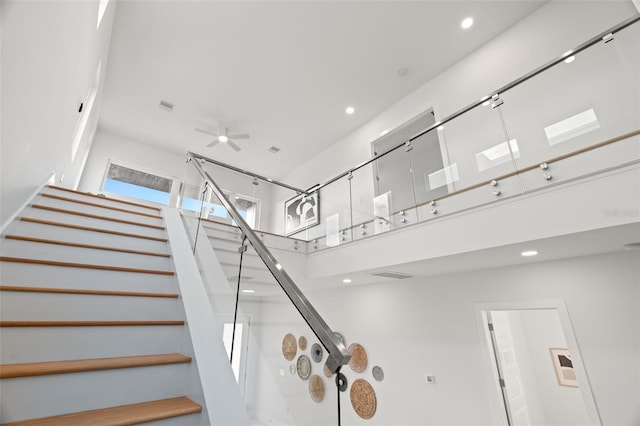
x: 283, y: 71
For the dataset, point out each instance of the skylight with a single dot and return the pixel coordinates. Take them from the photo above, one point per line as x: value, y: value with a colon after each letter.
x: 496, y: 155
x: 571, y: 127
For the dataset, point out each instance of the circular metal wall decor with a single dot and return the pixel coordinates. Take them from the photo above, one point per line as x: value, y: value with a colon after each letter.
x: 327, y: 372
x: 378, y: 374
x: 358, y: 361
x: 363, y: 399
x: 302, y: 342
x: 289, y: 347
x: 304, y: 367
x: 342, y: 382
x: 316, y: 352
x: 316, y: 388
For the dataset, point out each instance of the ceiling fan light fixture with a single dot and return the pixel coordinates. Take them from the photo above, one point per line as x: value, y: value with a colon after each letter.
x: 223, y: 138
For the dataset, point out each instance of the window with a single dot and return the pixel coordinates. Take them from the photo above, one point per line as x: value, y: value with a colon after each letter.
x: 138, y: 184
x: 249, y: 208
x: 102, y: 7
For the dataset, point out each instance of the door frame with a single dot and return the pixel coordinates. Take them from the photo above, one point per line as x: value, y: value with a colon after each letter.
x: 498, y: 406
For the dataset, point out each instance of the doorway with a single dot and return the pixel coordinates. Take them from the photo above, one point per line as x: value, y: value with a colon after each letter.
x: 538, y: 372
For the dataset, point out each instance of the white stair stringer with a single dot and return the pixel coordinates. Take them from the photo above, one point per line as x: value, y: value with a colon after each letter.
x: 140, y: 287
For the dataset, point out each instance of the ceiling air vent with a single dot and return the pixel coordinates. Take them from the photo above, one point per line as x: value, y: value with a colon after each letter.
x: 393, y: 275
x: 274, y: 150
x: 168, y: 106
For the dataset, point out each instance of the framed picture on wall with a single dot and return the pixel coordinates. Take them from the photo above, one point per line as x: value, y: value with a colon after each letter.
x: 301, y: 212
x: 563, y: 365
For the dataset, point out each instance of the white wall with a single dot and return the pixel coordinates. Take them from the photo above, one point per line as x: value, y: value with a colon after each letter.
x: 50, y: 54
x: 427, y: 325
x: 544, y: 35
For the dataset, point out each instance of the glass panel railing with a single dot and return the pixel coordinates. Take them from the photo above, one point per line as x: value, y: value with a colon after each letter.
x: 337, y: 353
x: 523, y: 138
x: 277, y: 359
x: 595, y: 100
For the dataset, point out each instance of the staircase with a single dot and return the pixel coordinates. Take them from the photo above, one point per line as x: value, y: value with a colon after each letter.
x: 92, y: 328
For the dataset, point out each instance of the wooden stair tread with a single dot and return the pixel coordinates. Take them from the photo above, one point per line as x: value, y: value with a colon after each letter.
x: 102, y: 206
x: 95, y: 216
x: 123, y: 415
x: 30, y: 289
x: 9, y: 371
x: 84, y: 265
x: 81, y: 245
x: 105, y: 198
x: 88, y: 228
x: 91, y: 323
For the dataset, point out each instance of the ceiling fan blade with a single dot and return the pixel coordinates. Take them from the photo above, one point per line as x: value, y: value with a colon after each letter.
x: 214, y: 143
x: 207, y: 132
x: 233, y: 145
x: 240, y: 136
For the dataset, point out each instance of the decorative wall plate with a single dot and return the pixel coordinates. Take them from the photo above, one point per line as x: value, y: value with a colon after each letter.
x: 358, y: 361
x: 363, y: 399
x: 304, y: 367
x: 378, y: 374
x: 316, y: 352
x: 289, y: 347
x: 327, y: 372
x: 316, y: 388
x: 302, y: 342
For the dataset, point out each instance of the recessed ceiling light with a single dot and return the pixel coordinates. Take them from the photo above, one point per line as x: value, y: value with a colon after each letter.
x: 529, y: 253
x: 346, y: 280
x: 569, y: 59
x: 350, y: 110
x: 466, y: 23
x: 248, y: 291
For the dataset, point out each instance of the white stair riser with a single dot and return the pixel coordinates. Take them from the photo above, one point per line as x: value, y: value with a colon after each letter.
x: 36, y: 344
x: 94, y: 223
x: 58, y: 276
x: 33, y: 397
x: 27, y: 306
x: 101, y: 211
x: 62, y: 253
x: 105, y: 201
x: 248, y: 259
x: 37, y: 230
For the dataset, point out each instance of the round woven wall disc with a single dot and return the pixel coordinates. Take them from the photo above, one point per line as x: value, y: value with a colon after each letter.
x: 327, y: 372
x: 289, y: 347
x: 342, y: 382
x: 304, y: 367
x: 302, y: 342
x: 358, y: 360
x: 316, y: 388
x: 363, y: 399
x: 316, y: 352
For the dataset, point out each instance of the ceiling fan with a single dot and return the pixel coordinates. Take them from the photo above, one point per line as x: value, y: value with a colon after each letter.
x: 225, y: 138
